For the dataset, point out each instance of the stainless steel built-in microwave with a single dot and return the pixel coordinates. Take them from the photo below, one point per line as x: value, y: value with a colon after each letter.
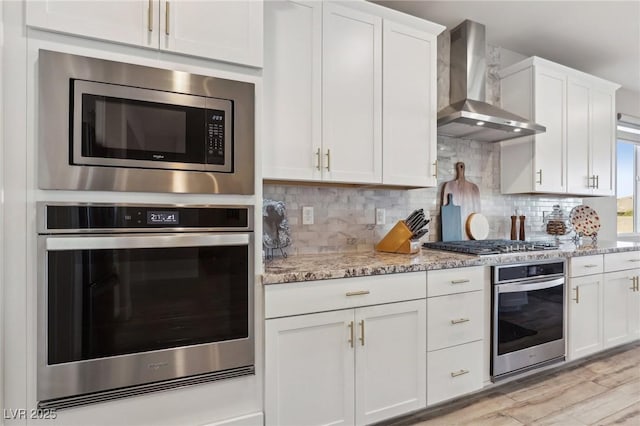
x: 108, y: 125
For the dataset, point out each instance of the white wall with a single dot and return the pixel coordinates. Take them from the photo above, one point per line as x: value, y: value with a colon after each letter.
x: 628, y: 102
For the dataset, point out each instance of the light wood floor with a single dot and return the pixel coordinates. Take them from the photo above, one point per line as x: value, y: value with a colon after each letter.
x: 604, y: 390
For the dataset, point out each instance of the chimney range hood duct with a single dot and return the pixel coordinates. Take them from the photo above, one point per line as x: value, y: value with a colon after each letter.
x: 468, y: 116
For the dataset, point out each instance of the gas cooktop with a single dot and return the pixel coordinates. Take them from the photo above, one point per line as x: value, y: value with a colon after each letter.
x: 485, y: 247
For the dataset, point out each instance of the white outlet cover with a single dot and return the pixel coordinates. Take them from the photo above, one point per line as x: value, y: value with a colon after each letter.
x: 380, y: 216
x: 307, y: 215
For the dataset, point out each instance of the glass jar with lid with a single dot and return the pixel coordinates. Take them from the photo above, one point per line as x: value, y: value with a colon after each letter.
x: 556, y: 222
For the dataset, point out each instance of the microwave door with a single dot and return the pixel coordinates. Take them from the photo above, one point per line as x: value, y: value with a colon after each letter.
x: 121, y: 126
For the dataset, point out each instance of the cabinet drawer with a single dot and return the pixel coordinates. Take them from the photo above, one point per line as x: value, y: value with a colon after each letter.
x: 454, y: 319
x: 326, y: 295
x: 457, y: 280
x: 585, y: 265
x: 454, y: 371
x: 621, y: 261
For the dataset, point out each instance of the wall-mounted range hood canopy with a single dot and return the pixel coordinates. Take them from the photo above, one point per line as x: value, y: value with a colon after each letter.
x: 468, y: 116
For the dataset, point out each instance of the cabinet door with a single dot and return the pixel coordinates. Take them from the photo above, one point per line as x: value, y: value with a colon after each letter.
x: 603, y: 140
x: 352, y: 95
x: 618, y: 307
x: 409, y: 106
x: 129, y: 22
x: 550, y: 147
x: 578, y: 168
x: 292, y: 90
x: 585, y: 315
x: 309, y: 369
x: 391, y: 358
x: 226, y: 30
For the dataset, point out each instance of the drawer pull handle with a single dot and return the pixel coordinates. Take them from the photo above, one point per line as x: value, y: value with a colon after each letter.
x: 350, y: 325
x: 358, y: 293
x: 459, y: 373
x: 591, y: 265
x: 460, y: 320
x: 459, y: 281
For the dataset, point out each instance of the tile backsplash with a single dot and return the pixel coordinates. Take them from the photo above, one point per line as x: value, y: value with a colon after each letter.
x: 344, y: 217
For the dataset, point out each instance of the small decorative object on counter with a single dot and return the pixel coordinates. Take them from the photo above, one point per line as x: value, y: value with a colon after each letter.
x: 275, y: 233
x: 514, y: 226
x: 556, y: 222
x: 585, y: 221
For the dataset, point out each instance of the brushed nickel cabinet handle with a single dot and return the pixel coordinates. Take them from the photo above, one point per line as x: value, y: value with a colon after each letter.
x: 459, y: 373
x: 577, y: 299
x: 633, y: 280
x: 459, y: 281
x: 150, y: 15
x: 350, y: 325
x: 318, y: 159
x: 460, y: 320
x: 591, y: 265
x: 435, y: 167
x: 328, y: 160
x: 539, y: 172
x: 358, y: 293
x: 166, y: 19
x: 362, y: 333
x: 597, y: 181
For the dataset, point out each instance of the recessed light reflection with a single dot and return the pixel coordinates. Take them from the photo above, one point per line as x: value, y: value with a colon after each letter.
x: 517, y: 130
x: 480, y: 123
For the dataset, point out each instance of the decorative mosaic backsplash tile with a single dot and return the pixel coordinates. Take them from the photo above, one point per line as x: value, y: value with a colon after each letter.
x: 345, y: 216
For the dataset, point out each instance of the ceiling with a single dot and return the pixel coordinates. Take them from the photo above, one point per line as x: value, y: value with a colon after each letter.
x: 598, y: 37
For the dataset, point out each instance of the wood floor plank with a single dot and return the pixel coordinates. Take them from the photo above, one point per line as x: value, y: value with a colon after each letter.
x: 557, y: 419
x: 628, y: 416
x: 619, y: 376
x: 481, y: 408
x: 552, y: 384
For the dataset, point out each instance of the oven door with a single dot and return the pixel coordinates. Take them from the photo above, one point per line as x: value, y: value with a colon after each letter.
x: 124, y: 310
x: 124, y: 126
x: 528, y: 324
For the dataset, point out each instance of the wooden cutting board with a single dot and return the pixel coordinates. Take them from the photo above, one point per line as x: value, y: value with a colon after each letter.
x: 451, y: 227
x: 465, y: 194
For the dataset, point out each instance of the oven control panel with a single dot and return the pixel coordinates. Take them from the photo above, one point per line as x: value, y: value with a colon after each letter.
x: 528, y: 271
x: 67, y: 218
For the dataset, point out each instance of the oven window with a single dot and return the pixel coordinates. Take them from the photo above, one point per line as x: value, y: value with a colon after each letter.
x: 104, y: 303
x: 529, y: 318
x: 140, y: 130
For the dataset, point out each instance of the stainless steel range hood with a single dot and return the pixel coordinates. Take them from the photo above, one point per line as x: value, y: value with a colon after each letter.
x: 468, y: 116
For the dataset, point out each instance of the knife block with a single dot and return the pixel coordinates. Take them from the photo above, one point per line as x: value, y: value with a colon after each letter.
x: 398, y: 240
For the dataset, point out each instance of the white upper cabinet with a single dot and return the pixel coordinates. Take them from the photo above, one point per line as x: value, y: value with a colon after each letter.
x: 576, y: 153
x: 326, y: 67
x: 352, y: 95
x: 409, y: 106
x: 228, y: 31
x: 292, y: 90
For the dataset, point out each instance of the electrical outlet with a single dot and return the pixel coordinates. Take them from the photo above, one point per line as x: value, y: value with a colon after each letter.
x: 307, y: 215
x: 381, y: 218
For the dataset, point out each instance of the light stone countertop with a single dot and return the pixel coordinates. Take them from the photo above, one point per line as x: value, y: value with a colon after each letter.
x: 313, y: 267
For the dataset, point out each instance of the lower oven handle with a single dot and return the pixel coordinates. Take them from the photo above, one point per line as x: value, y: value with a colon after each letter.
x: 516, y: 288
x: 57, y: 243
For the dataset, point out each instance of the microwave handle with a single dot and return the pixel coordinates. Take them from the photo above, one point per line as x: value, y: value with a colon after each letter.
x: 57, y: 243
x: 516, y: 288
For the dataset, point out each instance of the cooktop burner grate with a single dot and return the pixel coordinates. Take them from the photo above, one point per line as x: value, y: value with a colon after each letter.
x: 486, y: 247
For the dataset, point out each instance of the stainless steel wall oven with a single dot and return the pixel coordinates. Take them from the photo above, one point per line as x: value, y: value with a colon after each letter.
x: 136, y: 298
x: 108, y: 125
x: 528, y: 323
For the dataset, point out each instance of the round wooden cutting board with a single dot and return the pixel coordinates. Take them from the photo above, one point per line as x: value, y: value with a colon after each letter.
x: 477, y: 226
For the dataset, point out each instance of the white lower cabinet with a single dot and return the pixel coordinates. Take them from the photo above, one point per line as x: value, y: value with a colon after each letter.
x: 456, y: 311
x: 585, y: 316
x: 348, y: 366
x: 603, y: 308
x: 454, y: 371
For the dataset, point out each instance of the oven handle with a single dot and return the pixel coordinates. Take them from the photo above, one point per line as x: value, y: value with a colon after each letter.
x: 541, y: 285
x: 58, y: 243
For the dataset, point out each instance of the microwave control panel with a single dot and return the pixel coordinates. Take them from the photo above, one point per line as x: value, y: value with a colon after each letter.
x: 215, y: 136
